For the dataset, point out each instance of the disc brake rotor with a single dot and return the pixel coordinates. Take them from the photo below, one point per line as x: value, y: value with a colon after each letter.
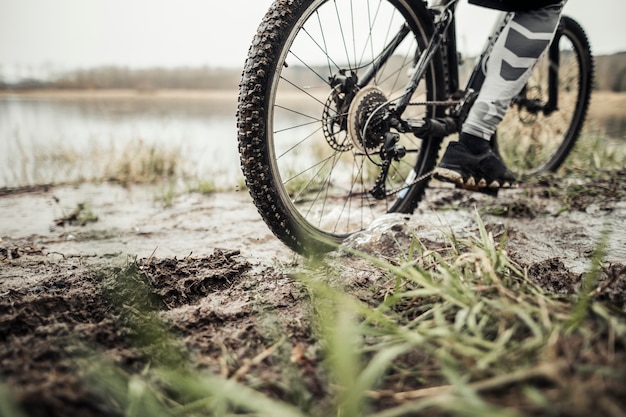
x: 334, y: 122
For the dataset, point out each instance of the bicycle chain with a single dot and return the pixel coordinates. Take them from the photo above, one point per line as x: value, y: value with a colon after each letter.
x: 447, y: 103
x: 427, y: 175
x: 415, y: 181
x: 430, y: 173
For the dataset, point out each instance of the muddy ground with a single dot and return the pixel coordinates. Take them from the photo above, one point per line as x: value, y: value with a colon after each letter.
x: 214, y: 268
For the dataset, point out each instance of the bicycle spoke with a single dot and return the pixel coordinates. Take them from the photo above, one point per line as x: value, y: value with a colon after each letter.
x: 322, y: 82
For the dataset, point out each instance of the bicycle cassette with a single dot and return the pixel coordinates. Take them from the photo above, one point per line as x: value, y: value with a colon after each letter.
x: 367, y: 118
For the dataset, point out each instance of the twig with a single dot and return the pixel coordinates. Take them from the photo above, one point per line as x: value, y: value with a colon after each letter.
x: 245, y: 368
x: 612, y: 278
x: 548, y: 371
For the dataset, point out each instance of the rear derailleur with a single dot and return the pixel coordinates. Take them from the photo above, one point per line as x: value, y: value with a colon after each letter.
x: 389, y: 152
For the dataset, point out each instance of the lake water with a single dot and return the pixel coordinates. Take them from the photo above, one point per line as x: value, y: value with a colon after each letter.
x: 66, y: 138
x: 51, y: 138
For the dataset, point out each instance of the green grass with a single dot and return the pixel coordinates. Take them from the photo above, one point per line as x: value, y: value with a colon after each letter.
x: 136, y: 162
x: 139, y: 163
x: 81, y: 215
x: 460, y: 330
x: 596, y: 152
x: 456, y: 331
x: 204, y: 187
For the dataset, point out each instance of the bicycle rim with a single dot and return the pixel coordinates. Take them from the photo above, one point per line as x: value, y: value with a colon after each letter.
x: 534, y: 142
x: 318, y: 138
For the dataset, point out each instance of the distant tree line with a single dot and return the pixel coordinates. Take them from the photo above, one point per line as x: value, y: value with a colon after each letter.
x: 610, y: 75
x: 116, y: 77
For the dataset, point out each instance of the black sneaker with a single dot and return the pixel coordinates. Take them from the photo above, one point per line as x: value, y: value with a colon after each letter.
x: 473, y: 172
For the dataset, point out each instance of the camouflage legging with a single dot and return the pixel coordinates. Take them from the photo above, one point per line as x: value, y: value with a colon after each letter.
x: 523, y: 40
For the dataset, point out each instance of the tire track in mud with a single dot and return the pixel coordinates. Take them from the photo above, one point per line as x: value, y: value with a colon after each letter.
x: 67, y: 292
x: 209, y: 308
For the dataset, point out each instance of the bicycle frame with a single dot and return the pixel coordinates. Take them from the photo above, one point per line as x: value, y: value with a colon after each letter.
x: 444, y: 41
x: 325, y: 144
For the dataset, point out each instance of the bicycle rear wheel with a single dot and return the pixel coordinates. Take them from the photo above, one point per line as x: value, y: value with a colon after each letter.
x: 319, y: 79
x: 545, y: 120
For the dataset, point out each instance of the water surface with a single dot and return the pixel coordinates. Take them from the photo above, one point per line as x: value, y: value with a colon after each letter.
x: 66, y: 138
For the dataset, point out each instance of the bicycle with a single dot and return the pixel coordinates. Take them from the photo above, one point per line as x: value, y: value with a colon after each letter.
x: 343, y: 108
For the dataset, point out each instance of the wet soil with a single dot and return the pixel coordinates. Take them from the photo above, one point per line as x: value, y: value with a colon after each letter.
x: 72, y: 257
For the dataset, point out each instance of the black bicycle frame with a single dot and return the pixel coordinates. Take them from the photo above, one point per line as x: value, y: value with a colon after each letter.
x: 444, y: 40
x: 477, y: 77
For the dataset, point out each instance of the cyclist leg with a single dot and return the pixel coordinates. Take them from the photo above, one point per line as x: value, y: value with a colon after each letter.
x: 470, y: 162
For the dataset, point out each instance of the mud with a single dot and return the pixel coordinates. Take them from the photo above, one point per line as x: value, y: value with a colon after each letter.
x: 72, y: 257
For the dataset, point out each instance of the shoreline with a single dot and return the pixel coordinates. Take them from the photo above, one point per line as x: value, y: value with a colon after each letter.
x: 165, y: 94
x: 604, y: 104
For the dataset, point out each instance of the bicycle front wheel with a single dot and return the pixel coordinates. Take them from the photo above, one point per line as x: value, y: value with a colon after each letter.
x: 545, y: 120
x: 318, y: 82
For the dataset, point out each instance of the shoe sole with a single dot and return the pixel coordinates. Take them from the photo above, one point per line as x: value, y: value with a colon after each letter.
x: 449, y: 175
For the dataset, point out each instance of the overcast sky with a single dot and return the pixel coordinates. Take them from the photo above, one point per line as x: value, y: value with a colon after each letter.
x: 65, y: 34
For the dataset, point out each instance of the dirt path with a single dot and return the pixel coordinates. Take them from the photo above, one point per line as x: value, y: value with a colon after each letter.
x: 56, y: 242
x: 112, y: 222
